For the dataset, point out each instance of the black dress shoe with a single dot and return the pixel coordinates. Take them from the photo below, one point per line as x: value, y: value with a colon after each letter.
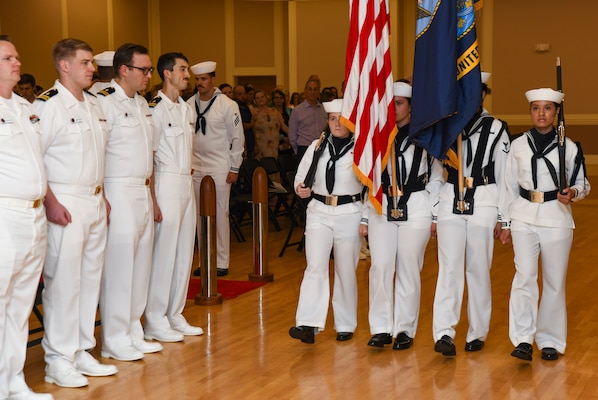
x: 446, y: 346
x: 402, y: 342
x: 549, y: 353
x: 474, y: 345
x: 221, y: 271
x: 523, y: 351
x: 342, y: 336
x: 380, y: 339
x: 304, y: 333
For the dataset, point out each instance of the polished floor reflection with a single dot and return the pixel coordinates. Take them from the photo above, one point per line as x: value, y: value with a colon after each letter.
x: 246, y: 352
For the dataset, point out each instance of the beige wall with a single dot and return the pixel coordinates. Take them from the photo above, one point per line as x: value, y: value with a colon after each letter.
x: 292, y: 40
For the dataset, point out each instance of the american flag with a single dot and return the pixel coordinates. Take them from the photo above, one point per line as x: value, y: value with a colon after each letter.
x: 368, y: 108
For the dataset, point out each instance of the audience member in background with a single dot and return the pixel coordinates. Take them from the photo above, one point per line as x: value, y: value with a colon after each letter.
x: 280, y: 104
x: 268, y: 123
x: 26, y: 87
x: 250, y: 92
x: 294, y: 101
x: 307, y: 120
x: 240, y: 97
x: 105, y: 71
x: 226, y: 89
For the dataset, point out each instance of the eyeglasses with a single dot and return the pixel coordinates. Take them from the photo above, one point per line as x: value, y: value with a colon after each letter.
x: 144, y: 71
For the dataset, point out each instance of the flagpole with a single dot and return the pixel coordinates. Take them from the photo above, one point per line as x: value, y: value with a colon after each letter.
x: 461, y: 177
x: 394, y: 185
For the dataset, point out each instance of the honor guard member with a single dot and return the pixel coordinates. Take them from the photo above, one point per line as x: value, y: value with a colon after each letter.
x: 129, y: 164
x: 174, y: 205
x: 23, y: 231
x: 105, y: 71
x: 74, y: 136
x: 466, y: 234
x: 538, y: 216
x: 398, y: 237
x: 217, y: 151
x: 333, y: 223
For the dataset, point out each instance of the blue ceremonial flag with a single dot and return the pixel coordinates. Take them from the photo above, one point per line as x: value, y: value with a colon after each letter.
x: 447, y: 87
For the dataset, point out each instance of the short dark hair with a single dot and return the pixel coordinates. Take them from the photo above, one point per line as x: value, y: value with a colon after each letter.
x: 5, y: 38
x: 27, y: 79
x: 124, y: 55
x: 167, y: 62
x: 66, y: 49
x: 223, y: 85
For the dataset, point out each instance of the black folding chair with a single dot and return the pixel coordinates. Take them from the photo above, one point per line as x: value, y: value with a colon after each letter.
x: 248, y: 167
x: 287, y: 165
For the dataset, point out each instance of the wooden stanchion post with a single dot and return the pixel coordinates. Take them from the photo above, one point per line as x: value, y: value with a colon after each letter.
x: 207, y: 244
x: 260, y: 227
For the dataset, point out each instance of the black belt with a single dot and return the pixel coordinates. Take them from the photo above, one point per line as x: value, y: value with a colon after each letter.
x: 538, y: 197
x: 337, y: 200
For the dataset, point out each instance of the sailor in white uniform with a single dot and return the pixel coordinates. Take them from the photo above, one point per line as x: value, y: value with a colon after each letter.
x: 333, y: 223
x: 466, y: 237
x: 174, y: 205
x: 217, y: 151
x: 74, y: 136
x: 23, y: 229
x: 398, y: 237
x: 129, y: 165
x: 538, y: 216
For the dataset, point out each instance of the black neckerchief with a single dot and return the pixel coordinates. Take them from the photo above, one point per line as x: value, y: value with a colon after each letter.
x: 337, y: 147
x: 541, y: 145
x: 201, y: 119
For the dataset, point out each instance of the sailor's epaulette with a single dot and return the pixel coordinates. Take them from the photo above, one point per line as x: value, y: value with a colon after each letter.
x: 89, y: 93
x: 47, y: 94
x: 107, y: 91
x: 155, y: 101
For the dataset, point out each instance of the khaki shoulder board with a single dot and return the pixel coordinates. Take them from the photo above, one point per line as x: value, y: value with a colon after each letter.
x: 47, y: 94
x: 107, y: 91
x: 155, y: 101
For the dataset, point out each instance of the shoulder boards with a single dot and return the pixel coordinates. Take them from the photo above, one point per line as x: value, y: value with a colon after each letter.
x: 107, y: 91
x: 155, y: 101
x: 89, y: 93
x: 47, y: 94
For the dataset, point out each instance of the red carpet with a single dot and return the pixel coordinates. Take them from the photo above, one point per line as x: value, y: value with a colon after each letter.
x: 227, y: 288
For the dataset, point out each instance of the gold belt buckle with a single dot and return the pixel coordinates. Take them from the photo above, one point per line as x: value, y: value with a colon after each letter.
x: 98, y: 189
x: 147, y: 181
x: 536, y: 197
x: 36, y: 203
x: 331, y: 201
x: 468, y: 182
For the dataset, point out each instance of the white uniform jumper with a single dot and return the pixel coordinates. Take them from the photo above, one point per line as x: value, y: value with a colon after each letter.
x: 330, y: 227
x: 23, y: 234
x: 129, y: 163
x: 397, y: 247
x: 74, y: 136
x: 174, y: 236
x: 217, y: 150
x: 466, y: 242
x: 540, y: 229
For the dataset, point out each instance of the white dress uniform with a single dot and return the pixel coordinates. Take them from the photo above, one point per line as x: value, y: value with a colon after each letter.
x: 397, y: 247
x: 330, y: 227
x: 23, y: 234
x: 74, y: 136
x: 129, y: 163
x: 216, y: 153
x: 539, y: 228
x: 467, y: 241
x: 174, y: 236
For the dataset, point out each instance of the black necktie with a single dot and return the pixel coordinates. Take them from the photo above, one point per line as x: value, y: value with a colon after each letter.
x: 201, y: 120
x: 540, y: 153
x: 331, y: 164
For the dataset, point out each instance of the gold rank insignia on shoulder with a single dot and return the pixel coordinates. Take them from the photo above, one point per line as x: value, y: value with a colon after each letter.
x: 155, y: 101
x: 47, y: 94
x: 107, y: 91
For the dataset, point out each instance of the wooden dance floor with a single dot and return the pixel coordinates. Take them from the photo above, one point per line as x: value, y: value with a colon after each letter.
x: 246, y: 352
